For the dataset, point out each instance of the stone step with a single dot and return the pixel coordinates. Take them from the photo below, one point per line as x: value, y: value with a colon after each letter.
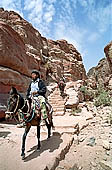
x: 56, y: 98
x: 57, y: 101
x: 58, y: 113
x: 67, y: 125
x: 58, y: 105
x: 58, y: 109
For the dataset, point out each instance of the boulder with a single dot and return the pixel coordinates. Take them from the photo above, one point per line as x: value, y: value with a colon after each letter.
x: 106, y: 165
x: 106, y: 144
x: 73, y: 99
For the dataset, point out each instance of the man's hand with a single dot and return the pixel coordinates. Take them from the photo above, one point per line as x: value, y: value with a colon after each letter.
x: 35, y: 92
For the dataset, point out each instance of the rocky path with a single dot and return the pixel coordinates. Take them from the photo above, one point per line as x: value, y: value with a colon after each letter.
x: 92, y: 148
x: 51, y: 152
x: 81, y: 142
x: 57, y: 102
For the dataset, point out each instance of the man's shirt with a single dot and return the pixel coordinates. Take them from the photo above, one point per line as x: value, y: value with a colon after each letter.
x: 34, y: 86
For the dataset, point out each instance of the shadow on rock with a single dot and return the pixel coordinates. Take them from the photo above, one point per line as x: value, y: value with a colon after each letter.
x: 9, y: 122
x: 48, y: 144
x: 4, y: 134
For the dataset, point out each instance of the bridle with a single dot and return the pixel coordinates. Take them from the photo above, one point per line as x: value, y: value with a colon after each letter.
x: 20, y: 110
x: 15, y: 110
x: 17, y: 104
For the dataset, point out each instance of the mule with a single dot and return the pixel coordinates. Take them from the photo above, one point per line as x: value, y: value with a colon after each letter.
x: 16, y: 105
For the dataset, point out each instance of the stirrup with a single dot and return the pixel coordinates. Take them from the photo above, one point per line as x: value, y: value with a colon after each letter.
x: 28, y: 115
x: 21, y: 125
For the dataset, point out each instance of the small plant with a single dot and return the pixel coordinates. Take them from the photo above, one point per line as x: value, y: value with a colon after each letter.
x: 76, y: 110
x: 103, y: 98
x: 83, y: 89
x: 88, y: 93
x: 100, y: 89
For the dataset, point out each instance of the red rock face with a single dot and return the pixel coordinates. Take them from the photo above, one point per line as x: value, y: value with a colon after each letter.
x: 108, y: 53
x: 22, y: 49
x: 102, y: 73
x: 12, y: 50
x: 66, y: 60
x: 15, y: 64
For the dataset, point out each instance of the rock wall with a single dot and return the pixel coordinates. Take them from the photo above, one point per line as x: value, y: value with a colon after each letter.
x: 102, y: 73
x: 65, y: 60
x: 108, y: 53
x: 22, y: 49
x: 16, y: 59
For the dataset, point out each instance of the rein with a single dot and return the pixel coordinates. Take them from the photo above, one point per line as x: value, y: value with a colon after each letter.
x: 22, y: 114
x: 16, y: 104
x: 27, y: 119
x: 21, y: 110
x: 23, y: 105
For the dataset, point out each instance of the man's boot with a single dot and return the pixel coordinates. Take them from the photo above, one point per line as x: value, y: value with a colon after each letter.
x: 21, y: 125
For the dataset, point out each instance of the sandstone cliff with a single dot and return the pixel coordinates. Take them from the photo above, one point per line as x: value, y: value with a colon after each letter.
x: 22, y: 49
x: 108, y: 53
x: 102, y: 73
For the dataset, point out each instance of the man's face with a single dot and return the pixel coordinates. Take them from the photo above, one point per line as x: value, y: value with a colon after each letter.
x: 34, y: 76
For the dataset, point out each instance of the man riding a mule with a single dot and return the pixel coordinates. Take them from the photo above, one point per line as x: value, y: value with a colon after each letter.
x: 26, y: 108
x: 36, y: 96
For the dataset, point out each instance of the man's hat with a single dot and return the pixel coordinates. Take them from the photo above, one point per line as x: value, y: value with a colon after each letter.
x: 36, y: 72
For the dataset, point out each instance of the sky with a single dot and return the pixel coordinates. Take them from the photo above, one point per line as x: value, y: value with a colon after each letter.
x: 87, y: 24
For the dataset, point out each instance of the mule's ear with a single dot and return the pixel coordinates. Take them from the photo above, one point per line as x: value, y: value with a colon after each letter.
x: 13, y: 91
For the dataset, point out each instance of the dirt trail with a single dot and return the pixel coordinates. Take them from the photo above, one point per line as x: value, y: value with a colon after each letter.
x: 64, y: 150
x: 10, y: 148
x: 92, y: 148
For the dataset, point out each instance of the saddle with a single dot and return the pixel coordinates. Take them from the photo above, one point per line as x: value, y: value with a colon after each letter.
x: 35, y: 111
x: 35, y: 107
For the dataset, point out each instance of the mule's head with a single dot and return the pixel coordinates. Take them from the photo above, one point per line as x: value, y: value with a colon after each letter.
x: 12, y: 104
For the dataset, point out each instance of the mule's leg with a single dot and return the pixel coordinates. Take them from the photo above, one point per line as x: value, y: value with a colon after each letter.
x: 23, y: 140
x: 49, y: 128
x: 51, y: 121
x: 38, y: 137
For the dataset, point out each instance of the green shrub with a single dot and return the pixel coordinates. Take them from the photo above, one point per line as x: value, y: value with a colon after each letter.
x: 88, y: 93
x: 76, y: 110
x: 83, y: 89
x: 103, y: 98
